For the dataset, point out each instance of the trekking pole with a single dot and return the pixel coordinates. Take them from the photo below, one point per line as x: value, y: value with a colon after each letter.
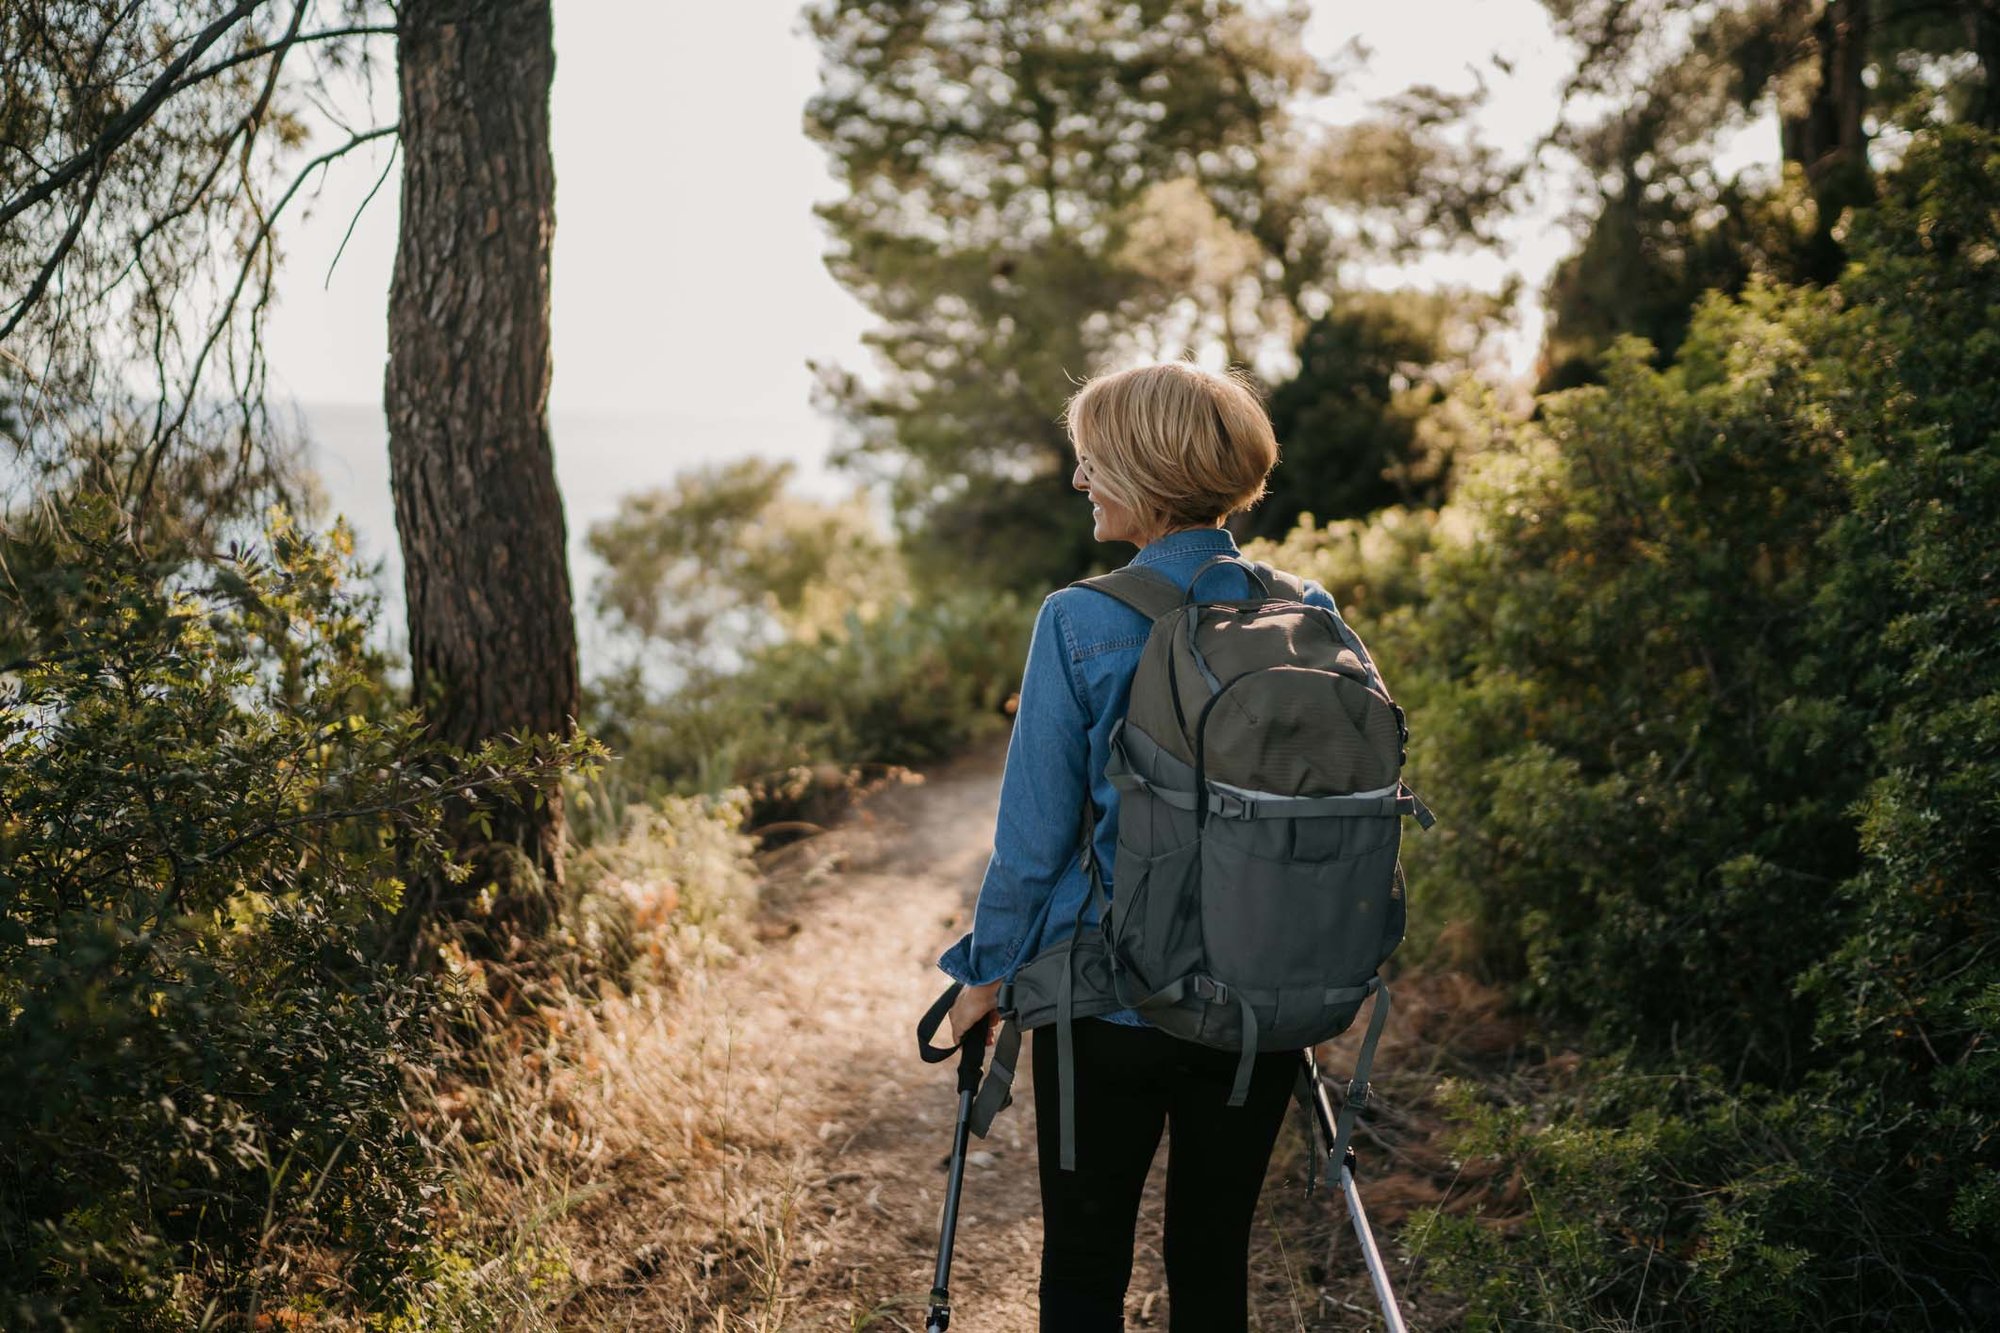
x: 971, y: 1055
x: 1378, y: 1272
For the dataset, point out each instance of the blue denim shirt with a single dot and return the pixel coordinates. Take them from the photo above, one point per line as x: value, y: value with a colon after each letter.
x: 1081, y: 659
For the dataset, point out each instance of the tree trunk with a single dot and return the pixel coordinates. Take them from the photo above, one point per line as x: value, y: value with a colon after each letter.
x: 1829, y: 139
x: 1982, y: 22
x: 492, y: 637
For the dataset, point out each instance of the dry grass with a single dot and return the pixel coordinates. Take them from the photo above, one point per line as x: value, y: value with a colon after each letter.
x: 622, y: 1165
x: 625, y: 1164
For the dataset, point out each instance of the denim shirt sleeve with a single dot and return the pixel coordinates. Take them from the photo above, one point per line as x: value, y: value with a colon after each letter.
x: 1040, y: 825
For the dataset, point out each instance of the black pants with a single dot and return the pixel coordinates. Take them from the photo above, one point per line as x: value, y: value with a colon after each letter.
x: 1132, y: 1082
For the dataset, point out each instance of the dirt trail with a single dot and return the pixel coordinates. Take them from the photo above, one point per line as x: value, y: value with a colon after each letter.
x: 835, y: 1003
x: 827, y: 1138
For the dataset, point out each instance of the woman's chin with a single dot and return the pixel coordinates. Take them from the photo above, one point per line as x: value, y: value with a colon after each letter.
x: 1104, y: 528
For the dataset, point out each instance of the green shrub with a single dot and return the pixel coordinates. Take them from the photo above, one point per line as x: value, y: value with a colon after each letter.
x: 914, y: 684
x: 206, y: 800
x: 675, y: 880
x: 1910, y: 999
x: 1685, y: 1200
x: 1704, y: 680
x: 1658, y: 754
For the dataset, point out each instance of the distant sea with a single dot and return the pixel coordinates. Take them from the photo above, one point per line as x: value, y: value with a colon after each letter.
x: 600, y: 458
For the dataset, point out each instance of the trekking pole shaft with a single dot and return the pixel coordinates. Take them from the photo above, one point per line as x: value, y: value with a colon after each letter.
x: 1378, y: 1274
x: 973, y: 1049
x: 960, y: 1138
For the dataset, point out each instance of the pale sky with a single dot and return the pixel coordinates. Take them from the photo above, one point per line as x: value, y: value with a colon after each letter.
x: 687, y: 264
x: 689, y: 290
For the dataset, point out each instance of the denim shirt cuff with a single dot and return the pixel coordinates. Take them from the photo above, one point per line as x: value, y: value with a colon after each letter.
x: 956, y: 963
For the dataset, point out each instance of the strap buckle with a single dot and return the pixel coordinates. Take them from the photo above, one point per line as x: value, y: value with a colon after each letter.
x: 1231, y: 806
x: 1357, y: 1093
x: 1208, y: 988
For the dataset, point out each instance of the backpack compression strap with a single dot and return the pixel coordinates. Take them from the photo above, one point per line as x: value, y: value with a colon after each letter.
x: 1356, y: 1096
x: 1357, y: 1088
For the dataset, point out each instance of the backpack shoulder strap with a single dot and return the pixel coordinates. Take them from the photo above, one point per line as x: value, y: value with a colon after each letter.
x: 1146, y: 591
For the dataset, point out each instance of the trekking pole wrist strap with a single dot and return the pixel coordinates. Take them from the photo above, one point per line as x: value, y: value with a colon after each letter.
x: 933, y: 1019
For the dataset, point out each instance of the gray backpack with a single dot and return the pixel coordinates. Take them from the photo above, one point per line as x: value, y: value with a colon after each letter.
x: 1260, y: 814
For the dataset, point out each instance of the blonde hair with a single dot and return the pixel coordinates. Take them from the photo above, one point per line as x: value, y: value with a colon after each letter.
x: 1177, y: 445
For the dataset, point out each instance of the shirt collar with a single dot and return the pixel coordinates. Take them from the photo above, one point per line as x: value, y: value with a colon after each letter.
x: 1188, y: 541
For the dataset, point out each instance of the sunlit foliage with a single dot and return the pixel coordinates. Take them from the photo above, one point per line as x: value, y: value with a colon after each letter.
x: 1704, y: 675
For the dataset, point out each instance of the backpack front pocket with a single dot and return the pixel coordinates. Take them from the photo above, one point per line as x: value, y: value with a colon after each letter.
x: 1279, y: 925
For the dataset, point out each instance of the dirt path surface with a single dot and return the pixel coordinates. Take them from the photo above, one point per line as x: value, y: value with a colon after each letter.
x: 834, y: 1002
x: 809, y: 1190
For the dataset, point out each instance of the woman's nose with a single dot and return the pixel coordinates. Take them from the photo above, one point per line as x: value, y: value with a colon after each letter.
x: 1077, y: 480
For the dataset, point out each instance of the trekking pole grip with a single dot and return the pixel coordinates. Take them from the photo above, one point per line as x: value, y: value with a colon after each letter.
x: 928, y: 1025
x: 972, y: 1055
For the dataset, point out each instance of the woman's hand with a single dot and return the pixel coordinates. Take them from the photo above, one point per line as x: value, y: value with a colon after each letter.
x: 974, y: 1005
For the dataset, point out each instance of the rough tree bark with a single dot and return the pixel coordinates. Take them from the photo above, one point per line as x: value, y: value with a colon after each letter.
x: 492, y: 636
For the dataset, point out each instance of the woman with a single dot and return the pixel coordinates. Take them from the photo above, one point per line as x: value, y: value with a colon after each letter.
x: 1166, y: 453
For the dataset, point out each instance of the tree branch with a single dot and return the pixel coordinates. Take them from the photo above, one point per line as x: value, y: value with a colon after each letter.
x: 259, y: 52
x: 458, y: 786
x: 47, y: 272
x: 151, y: 456
x: 355, y: 221
x: 128, y: 124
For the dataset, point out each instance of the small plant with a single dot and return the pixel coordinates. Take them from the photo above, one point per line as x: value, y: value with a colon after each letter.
x: 675, y: 884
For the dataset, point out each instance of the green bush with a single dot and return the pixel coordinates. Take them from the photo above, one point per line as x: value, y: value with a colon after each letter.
x: 1682, y: 1199
x: 206, y: 801
x: 1910, y: 999
x: 1704, y: 680
x: 914, y: 684
x: 1635, y: 712
x: 661, y: 882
